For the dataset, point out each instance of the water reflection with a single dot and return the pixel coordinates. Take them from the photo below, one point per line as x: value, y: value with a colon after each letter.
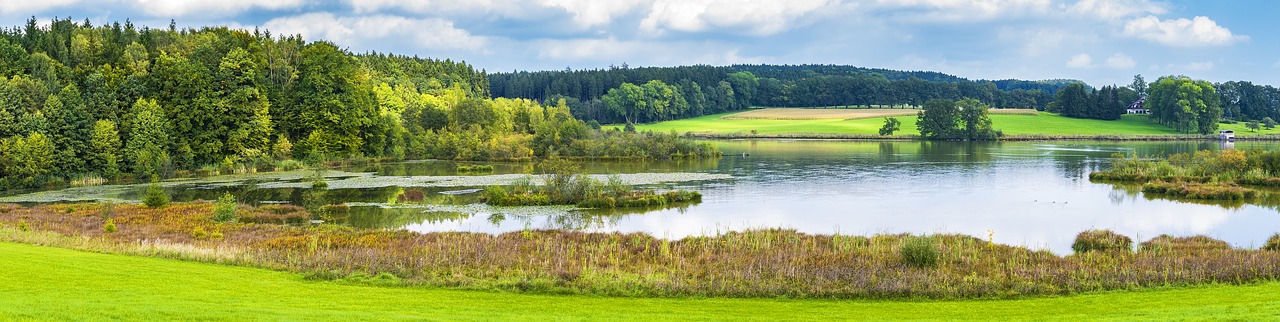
x: 1029, y: 193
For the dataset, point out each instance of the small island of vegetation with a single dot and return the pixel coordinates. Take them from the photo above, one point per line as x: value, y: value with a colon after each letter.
x: 1214, y: 175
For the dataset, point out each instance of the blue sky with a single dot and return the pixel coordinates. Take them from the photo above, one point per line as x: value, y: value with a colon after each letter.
x: 1100, y: 42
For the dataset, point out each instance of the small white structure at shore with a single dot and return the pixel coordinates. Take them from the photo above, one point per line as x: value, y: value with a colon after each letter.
x: 1227, y: 135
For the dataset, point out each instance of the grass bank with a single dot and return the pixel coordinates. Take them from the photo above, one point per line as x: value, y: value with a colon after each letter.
x: 1041, y: 126
x: 42, y: 283
x: 758, y: 263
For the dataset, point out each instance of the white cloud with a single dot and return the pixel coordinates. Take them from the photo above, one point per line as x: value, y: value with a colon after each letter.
x: 1277, y: 64
x: 758, y: 17
x: 1080, y: 61
x: 1197, y: 32
x: 28, y: 7
x: 655, y: 53
x: 1112, y: 9
x: 368, y: 32
x: 1120, y: 61
x: 962, y: 10
x: 594, y: 12
x: 179, y: 8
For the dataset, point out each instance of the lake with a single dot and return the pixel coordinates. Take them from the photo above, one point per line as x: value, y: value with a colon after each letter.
x: 1034, y: 194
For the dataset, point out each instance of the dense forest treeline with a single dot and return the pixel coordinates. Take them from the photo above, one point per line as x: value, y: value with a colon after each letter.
x: 83, y: 100
x: 710, y: 89
x: 651, y: 94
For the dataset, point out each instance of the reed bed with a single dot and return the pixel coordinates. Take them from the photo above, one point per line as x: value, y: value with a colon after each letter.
x: 756, y: 263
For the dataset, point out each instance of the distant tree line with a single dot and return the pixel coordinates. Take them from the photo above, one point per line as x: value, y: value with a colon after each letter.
x: 622, y: 94
x: 1107, y: 103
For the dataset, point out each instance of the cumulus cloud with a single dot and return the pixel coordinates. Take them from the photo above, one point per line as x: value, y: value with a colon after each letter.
x: 178, y: 8
x: 1120, y: 61
x: 1080, y: 61
x: 594, y: 12
x: 758, y: 17
x: 374, y: 31
x: 28, y: 7
x: 1197, y: 32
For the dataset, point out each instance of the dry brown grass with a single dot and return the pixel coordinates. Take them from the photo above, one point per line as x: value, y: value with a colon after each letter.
x: 759, y: 263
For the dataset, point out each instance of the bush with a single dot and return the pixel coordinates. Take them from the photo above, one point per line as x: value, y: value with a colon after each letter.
x: 1101, y: 241
x: 110, y: 227
x: 225, y: 210
x: 1198, y: 243
x: 156, y: 197
x: 1273, y: 243
x: 919, y: 251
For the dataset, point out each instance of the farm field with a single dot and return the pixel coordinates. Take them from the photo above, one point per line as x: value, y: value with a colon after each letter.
x: 869, y: 121
x: 114, y: 287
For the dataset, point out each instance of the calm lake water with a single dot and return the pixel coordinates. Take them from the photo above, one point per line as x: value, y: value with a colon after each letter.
x: 1035, y: 194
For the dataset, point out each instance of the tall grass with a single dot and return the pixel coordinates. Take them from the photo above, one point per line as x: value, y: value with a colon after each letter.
x: 755, y: 263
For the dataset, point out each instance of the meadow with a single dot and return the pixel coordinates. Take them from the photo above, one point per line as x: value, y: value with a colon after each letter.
x: 867, y: 122
x: 119, y: 287
x: 755, y: 263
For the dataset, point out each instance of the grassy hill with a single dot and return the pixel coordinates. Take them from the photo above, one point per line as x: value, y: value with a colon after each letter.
x: 58, y: 284
x: 1011, y: 124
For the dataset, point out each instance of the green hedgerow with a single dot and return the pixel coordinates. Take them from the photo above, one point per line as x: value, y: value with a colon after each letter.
x: 919, y: 251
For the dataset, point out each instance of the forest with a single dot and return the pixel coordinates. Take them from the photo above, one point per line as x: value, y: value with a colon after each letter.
x: 89, y: 102
x: 649, y: 94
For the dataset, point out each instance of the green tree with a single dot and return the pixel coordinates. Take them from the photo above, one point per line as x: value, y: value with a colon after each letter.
x: 155, y: 197
x: 245, y: 121
x: 1252, y: 125
x: 13, y: 59
x: 330, y: 102
x: 977, y: 124
x: 32, y: 158
x: 104, y: 149
x: 1139, y: 85
x: 148, y: 140
x: 891, y: 124
x: 1073, y: 101
x: 69, y: 129
x: 1185, y: 104
x: 939, y: 119
x: 1268, y: 123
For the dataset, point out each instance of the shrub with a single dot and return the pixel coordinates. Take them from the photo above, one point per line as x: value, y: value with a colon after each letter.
x: 110, y: 227
x: 199, y: 233
x: 1273, y: 243
x: 156, y: 197
x: 919, y: 251
x: 1199, y: 243
x: 1101, y: 241
x: 225, y: 210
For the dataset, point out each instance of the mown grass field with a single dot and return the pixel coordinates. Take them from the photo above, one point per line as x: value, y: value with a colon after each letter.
x: 1011, y: 124
x: 45, y: 283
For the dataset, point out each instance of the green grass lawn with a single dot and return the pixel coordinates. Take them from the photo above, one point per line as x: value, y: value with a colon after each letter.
x: 57, y: 284
x: 1044, y: 123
